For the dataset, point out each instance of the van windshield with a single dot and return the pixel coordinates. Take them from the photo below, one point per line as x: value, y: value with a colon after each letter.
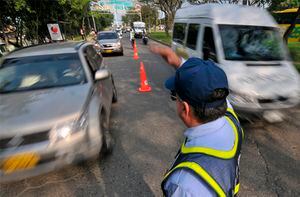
x: 251, y: 43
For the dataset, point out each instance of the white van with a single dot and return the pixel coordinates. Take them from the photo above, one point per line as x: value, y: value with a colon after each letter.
x: 139, y: 27
x: 245, y: 42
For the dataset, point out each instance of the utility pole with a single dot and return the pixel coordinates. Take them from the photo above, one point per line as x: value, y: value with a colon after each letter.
x: 95, y: 28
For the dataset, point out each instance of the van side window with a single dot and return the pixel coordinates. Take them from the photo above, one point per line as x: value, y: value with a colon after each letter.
x: 179, y: 32
x: 208, y: 48
x: 192, y: 36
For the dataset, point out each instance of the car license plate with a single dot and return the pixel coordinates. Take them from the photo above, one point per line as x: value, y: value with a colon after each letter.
x: 19, y: 162
x: 108, y: 51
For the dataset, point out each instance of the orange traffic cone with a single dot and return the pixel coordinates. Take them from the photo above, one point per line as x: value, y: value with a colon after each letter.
x: 134, y: 46
x: 135, y: 54
x: 145, y: 87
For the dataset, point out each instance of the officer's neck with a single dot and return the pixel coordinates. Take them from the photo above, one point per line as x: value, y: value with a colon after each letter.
x: 192, y: 122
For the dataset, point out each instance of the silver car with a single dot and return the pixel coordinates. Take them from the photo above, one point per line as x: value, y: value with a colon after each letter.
x: 109, y: 42
x: 55, y: 104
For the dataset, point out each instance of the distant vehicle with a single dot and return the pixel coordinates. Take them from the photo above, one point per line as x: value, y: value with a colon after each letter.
x: 145, y: 39
x: 119, y: 32
x: 55, y: 108
x: 262, y: 78
x: 139, y: 28
x: 283, y: 18
x: 109, y: 42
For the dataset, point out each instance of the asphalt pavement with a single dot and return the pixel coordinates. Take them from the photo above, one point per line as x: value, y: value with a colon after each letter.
x: 147, y: 135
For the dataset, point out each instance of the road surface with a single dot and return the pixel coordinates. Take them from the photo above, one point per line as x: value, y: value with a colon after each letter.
x: 147, y: 135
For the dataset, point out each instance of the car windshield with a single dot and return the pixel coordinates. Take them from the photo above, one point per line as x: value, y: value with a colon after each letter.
x: 251, y: 43
x: 104, y: 36
x: 40, y: 72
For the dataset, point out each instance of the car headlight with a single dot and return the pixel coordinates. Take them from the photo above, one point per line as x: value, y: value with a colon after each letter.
x: 118, y: 44
x: 100, y: 45
x: 240, y: 99
x: 64, y: 131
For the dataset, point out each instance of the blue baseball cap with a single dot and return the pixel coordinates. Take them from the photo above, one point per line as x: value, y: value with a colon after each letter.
x: 195, y: 82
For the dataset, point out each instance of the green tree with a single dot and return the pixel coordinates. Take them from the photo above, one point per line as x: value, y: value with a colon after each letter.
x: 130, y: 17
x: 168, y: 7
x: 30, y: 17
x: 149, y: 15
x: 102, y: 19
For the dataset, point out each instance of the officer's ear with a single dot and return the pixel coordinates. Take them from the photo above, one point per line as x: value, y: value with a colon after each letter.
x: 186, y: 108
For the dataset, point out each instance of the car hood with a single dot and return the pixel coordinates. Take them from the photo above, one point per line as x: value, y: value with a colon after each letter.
x: 109, y: 41
x: 40, y: 110
x: 264, y: 80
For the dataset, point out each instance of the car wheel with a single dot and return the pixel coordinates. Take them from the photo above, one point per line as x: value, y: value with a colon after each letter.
x: 122, y: 53
x: 108, y: 143
x: 115, y: 94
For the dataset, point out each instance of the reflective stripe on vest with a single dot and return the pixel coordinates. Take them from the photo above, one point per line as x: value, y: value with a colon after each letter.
x: 236, y: 188
x: 202, y: 173
x: 216, y: 153
x: 231, y: 111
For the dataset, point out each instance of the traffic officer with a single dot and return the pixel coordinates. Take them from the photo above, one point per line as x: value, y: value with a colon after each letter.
x: 131, y: 37
x: 207, y: 163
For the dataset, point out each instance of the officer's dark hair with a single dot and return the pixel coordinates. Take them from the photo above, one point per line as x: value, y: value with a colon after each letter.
x: 208, y: 114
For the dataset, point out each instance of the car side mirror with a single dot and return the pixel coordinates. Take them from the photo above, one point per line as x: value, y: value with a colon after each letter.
x: 102, y: 74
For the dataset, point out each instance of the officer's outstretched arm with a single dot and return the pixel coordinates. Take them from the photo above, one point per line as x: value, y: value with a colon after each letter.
x: 168, y: 54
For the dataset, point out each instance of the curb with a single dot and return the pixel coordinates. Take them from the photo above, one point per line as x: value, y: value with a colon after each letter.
x: 159, y: 41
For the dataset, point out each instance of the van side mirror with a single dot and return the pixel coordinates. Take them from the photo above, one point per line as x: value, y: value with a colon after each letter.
x: 102, y: 74
x: 208, y: 54
x: 205, y: 53
x: 213, y: 57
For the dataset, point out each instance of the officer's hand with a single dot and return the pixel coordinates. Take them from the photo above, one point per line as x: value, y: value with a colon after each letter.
x: 168, y: 54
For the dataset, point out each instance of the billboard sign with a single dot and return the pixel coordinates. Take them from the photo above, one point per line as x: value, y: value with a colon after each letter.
x: 54, y: 31
x: 111, y: 5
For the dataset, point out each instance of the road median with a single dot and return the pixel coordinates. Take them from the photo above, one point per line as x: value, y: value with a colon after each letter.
x: 161, y: 38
